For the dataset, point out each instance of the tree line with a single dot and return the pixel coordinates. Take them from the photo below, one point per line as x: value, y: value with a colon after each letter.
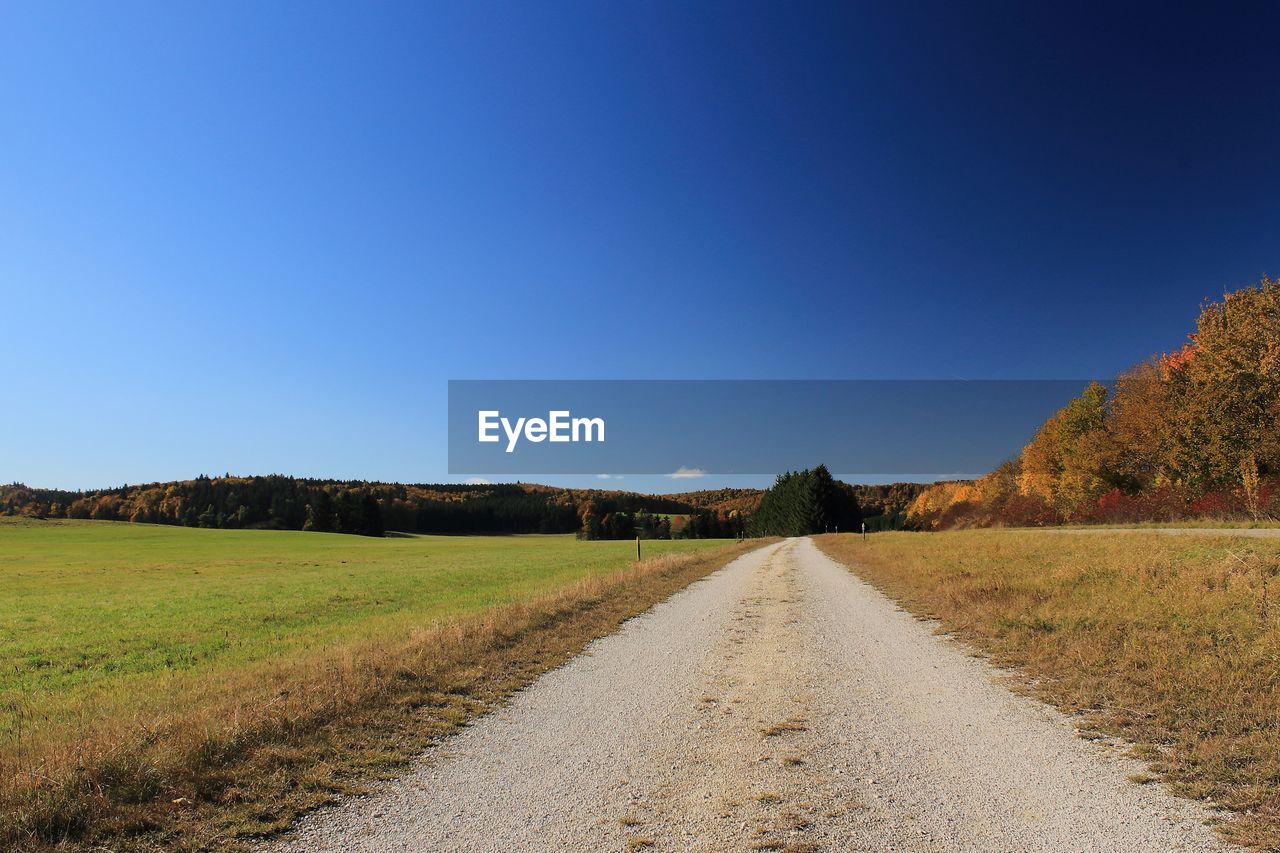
x: 803, y: 502
x: 358, y: 507
x: 884, y: 506
x: 696, y: 524
x: 1189, y: 434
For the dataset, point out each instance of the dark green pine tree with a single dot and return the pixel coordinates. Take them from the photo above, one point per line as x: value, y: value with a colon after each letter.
x: 320, y: 512
x: 370, y: 516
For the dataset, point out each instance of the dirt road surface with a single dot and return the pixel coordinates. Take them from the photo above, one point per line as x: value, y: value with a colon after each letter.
x: 779, y: 704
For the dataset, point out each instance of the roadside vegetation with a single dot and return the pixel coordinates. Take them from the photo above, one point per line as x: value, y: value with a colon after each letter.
x: 187, y: 688
x: 1190, y: 524
x: 1193, y: 434
x: 1172, y: 643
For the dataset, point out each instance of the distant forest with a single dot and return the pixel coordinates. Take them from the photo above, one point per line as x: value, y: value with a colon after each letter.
x: 280, y: 502
x: 286, y: 503
x: 1193, y: 434
x: 741, y: 501
x: 884, y: 507
x: 696, y: 524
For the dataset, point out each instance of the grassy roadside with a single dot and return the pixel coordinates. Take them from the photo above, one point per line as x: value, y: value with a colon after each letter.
x: 189, y: 759
x: 1191, y: 524
x: 1172, y: 643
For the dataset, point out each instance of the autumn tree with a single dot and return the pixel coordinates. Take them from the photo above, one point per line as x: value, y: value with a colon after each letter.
x: 1231, y: 387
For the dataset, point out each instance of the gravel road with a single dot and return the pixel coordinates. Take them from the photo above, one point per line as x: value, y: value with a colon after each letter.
x: 780, y: 703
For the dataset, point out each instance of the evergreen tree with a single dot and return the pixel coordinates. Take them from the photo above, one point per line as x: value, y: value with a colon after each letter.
x: 805, y: 502
x: 320, y: 512
x: 370, y: 516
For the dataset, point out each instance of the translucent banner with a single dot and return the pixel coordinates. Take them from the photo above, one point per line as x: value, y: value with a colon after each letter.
x: 873, y: 428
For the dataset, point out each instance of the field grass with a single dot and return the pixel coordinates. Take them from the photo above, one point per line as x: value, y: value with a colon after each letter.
x: 1172, y: 643
x: 193, y: 685
x: 1187, y: 524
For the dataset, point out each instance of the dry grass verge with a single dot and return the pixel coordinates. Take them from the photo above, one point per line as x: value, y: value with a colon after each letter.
x: 214, y: 764
x: 1172, y: 643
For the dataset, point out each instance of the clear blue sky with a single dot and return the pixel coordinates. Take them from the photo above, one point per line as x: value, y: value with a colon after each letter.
x: 260, y: 237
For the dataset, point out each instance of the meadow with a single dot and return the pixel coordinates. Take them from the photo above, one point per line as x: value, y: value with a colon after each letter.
x: 189, y: 684
x: 1169, y: 642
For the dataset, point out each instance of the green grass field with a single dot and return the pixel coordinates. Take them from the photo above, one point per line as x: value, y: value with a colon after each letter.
x: 197, y: 686
x: 90, y: 607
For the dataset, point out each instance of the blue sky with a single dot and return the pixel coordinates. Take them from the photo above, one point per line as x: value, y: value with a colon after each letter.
x: 261, y: 237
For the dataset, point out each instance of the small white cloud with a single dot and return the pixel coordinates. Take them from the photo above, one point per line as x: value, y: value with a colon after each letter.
x: 608, y: 476
x: 683, y: 473
x: 476, y: 481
